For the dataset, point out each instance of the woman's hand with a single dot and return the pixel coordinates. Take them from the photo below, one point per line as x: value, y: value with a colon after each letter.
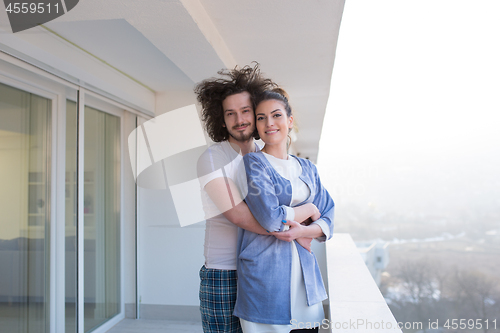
x: 293, y: 233
x: 296, y: 232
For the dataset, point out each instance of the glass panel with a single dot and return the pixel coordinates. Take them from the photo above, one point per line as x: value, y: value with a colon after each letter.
x: 101, y: 217
x: 25, y: 136
x: 70, y: 218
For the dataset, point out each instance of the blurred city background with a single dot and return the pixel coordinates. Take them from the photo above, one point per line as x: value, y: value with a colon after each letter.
x: 410, y: 150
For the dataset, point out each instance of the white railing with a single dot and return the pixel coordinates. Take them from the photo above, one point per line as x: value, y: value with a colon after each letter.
x: 355, y: 302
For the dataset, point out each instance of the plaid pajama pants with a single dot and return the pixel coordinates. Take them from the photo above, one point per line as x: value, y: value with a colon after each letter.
x: 217, y: 298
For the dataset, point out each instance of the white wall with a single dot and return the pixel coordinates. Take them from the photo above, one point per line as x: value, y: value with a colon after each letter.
x: 128, y: 211
x: 170, y: 256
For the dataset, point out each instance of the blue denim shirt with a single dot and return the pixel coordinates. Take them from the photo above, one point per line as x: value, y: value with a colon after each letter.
x: 265, y: 262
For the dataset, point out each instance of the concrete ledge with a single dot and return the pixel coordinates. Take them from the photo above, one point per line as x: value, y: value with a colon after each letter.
x: 356, y: 303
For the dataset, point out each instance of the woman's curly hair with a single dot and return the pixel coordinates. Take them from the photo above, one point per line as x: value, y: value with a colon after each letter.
x: 213, y: 91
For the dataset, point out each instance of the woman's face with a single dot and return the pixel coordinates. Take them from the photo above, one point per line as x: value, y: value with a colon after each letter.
x: 272, y: 122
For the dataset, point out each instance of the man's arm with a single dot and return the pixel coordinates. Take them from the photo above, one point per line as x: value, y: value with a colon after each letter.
x: 226, y: 197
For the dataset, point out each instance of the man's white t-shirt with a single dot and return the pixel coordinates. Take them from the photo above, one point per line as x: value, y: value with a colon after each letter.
x: 221, y: 236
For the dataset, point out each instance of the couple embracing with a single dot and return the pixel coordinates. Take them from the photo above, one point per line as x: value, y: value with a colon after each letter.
x: 263, y: 209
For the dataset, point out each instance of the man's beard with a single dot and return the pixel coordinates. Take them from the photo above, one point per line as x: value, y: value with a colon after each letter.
x: 240, y: 136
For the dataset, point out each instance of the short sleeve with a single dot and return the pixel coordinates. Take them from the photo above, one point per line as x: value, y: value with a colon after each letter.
x: 210, y: 165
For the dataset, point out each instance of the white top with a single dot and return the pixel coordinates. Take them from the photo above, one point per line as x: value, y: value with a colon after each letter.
x: 302, y: 314
x: 221, y: 236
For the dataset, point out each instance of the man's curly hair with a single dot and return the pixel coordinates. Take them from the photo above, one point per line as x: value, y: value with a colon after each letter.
x: 213, y: 91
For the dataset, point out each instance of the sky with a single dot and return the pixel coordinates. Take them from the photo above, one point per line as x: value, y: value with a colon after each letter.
x: 413, y: 115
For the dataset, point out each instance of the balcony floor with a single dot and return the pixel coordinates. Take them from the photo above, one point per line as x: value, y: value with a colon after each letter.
x: 156, y: 326
x: 160, y: 326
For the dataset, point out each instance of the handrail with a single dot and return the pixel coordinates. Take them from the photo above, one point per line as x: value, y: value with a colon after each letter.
x: 355, y: 301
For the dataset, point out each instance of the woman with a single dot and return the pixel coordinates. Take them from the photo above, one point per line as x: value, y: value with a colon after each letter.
x: 279, y: 283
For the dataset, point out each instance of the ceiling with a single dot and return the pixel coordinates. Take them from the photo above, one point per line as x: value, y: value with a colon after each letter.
x: 173, y: 44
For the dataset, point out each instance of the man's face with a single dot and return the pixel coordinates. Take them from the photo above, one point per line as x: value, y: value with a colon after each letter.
x: 238, y: 116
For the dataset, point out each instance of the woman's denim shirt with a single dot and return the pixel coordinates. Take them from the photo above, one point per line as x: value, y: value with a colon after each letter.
x: 265, y: 262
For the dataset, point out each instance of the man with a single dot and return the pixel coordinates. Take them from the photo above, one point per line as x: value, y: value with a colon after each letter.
x: 228, y: 115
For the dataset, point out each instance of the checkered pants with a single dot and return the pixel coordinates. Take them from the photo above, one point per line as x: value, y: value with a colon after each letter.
x: 217, y: 298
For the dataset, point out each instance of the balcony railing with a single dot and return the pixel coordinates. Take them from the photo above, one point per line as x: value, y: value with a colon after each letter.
x: 355, y: 302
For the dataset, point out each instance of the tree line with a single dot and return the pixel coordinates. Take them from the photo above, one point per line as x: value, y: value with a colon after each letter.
x: 426, y: 290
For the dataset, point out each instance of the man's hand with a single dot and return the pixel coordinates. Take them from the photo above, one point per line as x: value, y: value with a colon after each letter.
x: 305, y: 243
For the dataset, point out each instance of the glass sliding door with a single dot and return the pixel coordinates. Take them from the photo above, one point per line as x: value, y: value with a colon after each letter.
x: 70, y: 242
x: 101, y: 205
x: 25, y: 220
x: 60, y: 217
x: 101, y: 211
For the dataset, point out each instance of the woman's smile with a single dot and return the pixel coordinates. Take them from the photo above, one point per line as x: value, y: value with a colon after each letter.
x: 271, y: 132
